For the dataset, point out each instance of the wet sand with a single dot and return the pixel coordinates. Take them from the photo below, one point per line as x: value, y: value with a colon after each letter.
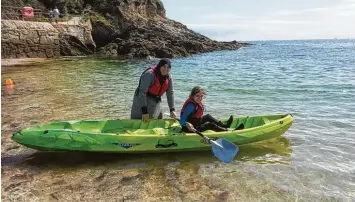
x: 22, y: 61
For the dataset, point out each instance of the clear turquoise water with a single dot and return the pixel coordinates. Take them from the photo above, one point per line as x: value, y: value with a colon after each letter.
x: 314, y: 80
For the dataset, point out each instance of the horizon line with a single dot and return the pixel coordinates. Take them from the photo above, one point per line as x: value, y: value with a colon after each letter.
x: 311, y: 39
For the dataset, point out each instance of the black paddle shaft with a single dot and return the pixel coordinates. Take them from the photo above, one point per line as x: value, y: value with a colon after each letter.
x: 202, y: 135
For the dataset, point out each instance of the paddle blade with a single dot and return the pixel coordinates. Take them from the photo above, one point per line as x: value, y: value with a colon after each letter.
x: 227, y: 152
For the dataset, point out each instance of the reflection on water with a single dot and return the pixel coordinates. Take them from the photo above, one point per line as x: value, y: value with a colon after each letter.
x: 313, y: 161
x: 268, y: 151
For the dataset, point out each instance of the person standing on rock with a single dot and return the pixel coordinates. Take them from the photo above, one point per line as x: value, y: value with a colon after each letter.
x: 50, y: 16
x: 56, y: 14
x: 153, y: 83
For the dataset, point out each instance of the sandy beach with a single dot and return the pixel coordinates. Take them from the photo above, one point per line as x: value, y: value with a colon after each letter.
x: 21, y: 61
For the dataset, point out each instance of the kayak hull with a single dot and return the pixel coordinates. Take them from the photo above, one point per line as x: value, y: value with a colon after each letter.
x: 134, y: 136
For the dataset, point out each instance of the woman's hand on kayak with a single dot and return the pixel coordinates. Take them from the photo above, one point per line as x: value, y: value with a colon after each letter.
x: 145, y: 118
x: 173, y: 114
x: 190, y: 127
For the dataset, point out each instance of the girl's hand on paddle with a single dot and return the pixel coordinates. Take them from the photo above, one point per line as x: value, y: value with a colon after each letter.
x: 173, y: 114
x: 145, y: 118
x: 190, y: 127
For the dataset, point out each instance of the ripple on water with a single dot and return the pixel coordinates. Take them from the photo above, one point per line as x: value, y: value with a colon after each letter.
x: 313, y: 161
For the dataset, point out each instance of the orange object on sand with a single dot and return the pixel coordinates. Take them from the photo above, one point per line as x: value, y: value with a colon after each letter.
x: 9, y: 82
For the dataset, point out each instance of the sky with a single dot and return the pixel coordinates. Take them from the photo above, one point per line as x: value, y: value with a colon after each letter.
x: 247, y: 20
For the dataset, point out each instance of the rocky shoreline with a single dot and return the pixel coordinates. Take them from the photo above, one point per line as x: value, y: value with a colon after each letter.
x: 123, y: 28
x: 163, y: 38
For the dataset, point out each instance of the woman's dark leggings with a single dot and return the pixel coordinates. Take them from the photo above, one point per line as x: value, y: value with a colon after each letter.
x: 208, y: 123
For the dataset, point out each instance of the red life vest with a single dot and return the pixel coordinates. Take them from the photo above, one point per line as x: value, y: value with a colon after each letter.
x: 198, y: 108
x: 156, y: 89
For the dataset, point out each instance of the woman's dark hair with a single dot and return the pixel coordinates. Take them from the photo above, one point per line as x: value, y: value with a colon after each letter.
x: 196, y: 90
x: 163, y: 62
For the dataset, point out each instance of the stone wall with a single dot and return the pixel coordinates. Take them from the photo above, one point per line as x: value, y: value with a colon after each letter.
x: 21, y: 39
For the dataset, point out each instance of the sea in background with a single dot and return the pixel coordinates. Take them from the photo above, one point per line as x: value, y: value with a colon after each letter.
x: 314, y: 80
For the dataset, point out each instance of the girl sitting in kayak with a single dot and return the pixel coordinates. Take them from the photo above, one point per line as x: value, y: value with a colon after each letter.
x: 192, y: 117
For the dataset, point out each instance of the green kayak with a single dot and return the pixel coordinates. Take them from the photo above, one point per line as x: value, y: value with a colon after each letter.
x: 126, y: 135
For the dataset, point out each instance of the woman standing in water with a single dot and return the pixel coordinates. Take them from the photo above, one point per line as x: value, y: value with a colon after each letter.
x: 153, y: 83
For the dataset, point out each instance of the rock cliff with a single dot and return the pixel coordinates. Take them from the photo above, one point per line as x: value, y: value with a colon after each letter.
x: 141, y: 29
x: 130, y: 28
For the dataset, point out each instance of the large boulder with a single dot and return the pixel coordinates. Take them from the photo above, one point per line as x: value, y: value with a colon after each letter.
x: 76, y: 39
x: 103, y: 34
